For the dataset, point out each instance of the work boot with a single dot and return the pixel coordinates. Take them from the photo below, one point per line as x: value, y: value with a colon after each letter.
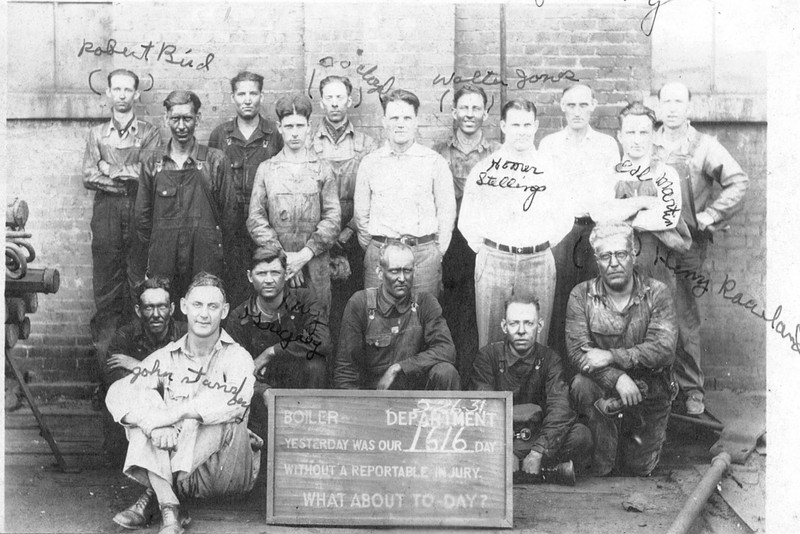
x: 173, y: 519
x: 694, y: 402
x: 139, y: 514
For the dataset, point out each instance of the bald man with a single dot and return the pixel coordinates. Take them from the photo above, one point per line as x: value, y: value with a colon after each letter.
x: 584, y: 158
x: 700, y: 161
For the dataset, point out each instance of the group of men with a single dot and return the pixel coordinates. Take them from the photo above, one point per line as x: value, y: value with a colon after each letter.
x: 533, y: 250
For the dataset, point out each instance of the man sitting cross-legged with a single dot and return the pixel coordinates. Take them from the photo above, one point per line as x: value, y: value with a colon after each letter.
x: 185, y: 412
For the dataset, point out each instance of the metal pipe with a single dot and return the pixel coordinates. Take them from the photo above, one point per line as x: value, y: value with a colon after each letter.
x: 699, y: 422
x: 694, y: 504
x: 503, y: 61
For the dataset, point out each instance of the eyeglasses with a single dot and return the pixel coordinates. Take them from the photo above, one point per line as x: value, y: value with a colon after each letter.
x: 620, y: 255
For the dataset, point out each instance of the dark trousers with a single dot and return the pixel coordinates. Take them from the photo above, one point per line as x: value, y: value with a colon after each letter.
x: 441, y: 377
x: 577, y: 446
x: 575, y: 263
x: 458, y: 302
x: 615, y: 440
x: 118, y: 264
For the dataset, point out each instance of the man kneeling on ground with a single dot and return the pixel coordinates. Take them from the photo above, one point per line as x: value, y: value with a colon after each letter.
x: 392, y: 338
x: 621, y: 335
x: 185, y: 413
x: 549, y: 433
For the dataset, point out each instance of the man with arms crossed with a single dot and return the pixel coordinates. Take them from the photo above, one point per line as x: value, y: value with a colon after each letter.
x: 511, y: 215
x: 247, y: 140
x: 111, y: 166
x: 393, y: 337
x: 466, y: 147
x: 404, y: 191
x: 584, y: 158
x: 621, y: 336
x: 535, y: 375
x: 700, y: 161
x: 185, y: 413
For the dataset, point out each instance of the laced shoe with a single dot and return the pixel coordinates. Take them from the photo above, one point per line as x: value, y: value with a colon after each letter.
x: 140, y: 513
x: 173, y: 519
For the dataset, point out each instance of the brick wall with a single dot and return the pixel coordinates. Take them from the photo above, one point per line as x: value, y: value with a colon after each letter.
x: 294, y: 46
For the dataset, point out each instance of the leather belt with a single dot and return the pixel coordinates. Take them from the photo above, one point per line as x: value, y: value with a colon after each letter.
x: 517, y: 250
x: 409, y: 240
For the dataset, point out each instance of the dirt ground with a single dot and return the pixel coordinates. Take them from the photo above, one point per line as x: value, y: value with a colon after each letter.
x: 39, y: 498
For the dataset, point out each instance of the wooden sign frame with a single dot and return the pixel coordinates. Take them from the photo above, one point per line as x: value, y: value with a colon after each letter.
x: 390, y: 458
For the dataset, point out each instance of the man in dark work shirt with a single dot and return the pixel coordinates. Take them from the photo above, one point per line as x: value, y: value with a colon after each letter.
x: 153, y: 328
x: 281, y: 329
x: 534, y: 373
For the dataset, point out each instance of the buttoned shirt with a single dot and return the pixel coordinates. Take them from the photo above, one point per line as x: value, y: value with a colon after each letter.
x: 215, y: 167
x: 407, y: 193
x: 641, y: 338
x: 135, y: 341
x: 245, y: 155
x: 514, y: 200
x: 123, y: 154
x: 295, y: 331
x: 357, y: 356
x: 585, y: 166
x: 295, y: 205
x: 344, y: 156
x: 218, y: 386
x: 462, y: 159
x: 708, y: 162
x: 534, y: 378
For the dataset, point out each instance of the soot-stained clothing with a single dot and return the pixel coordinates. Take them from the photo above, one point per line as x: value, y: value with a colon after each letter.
x: 410, y: 332
x: 135, y: 341
x: 536, y: 378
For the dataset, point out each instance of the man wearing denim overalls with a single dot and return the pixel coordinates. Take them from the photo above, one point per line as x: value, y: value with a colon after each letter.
x: 186, y: 205
x: 392, y: 338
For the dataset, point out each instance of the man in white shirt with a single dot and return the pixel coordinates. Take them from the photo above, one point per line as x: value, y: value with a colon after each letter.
x: 185, y: 412
x: 584, y: 159
x: 404, y: 192
x: 511, y: 214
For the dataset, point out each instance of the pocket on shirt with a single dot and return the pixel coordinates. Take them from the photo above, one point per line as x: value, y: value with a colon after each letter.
x: 379, y: 340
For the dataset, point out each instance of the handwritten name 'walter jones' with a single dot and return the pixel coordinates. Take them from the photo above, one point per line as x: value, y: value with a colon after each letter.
x: 439, y: 418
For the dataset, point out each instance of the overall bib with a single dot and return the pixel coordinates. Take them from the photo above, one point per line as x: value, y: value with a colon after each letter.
x: 186, y: 236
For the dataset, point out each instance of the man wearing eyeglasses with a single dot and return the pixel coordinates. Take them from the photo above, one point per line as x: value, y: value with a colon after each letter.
x: 392, y: 337
x: 153, y: 328
x: 621, y: 335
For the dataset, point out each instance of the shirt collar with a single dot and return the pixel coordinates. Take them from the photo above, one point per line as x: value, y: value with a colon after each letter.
x: 387, y: 303
x: 482, y: 145
x: 232, y: 126
x: 143, y: 336
x: 192, y: 152
x: 660, y: 137
x: 512, y: 358
x: 322, y: 130
x: 133, y: 129
x: 414, y: 150
x: 591, y: 133
x: 597, y: 290
x: 311, y: 156
x: 252, y: 309
x: 181, y: 344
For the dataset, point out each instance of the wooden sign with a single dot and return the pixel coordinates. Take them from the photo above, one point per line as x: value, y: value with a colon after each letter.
x: 383, y: 458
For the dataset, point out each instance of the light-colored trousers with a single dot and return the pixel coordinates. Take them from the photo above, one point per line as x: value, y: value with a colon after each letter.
x: 497, y: 274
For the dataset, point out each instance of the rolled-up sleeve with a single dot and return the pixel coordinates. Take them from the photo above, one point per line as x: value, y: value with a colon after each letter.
x: 722, y: 168
x: 92, y: 177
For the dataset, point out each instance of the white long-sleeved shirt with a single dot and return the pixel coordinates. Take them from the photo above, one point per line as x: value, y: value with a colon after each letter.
x: 409, y: 193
